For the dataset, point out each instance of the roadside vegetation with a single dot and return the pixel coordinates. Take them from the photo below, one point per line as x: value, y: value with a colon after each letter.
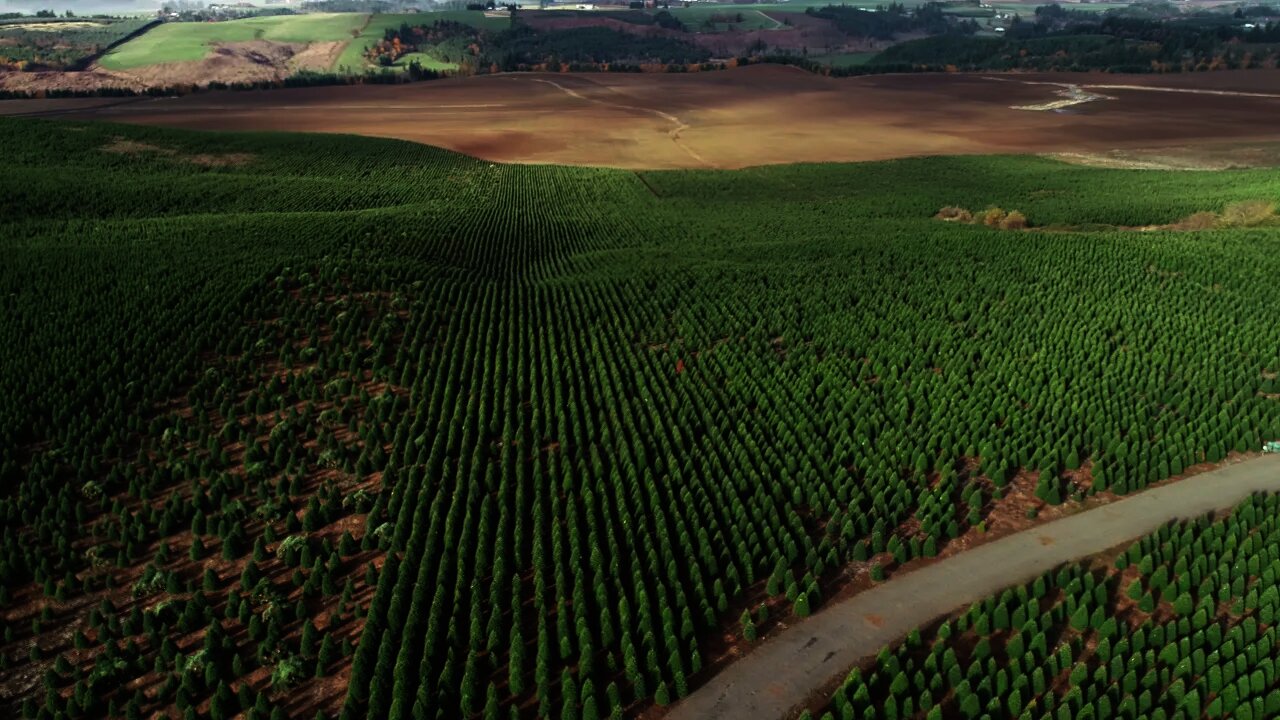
x: 1181, y: 624
x: 408, y: 434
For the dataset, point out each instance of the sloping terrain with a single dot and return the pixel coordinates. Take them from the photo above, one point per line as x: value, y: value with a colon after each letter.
x: 177, y: 54
x: 300, y: 423
x: 753, y: 115
x: 808, y: 656
x: 189, y: 42
x: 247, y: 61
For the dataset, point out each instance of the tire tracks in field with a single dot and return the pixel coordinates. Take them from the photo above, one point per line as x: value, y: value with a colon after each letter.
x: 679, y: 125
x: 777, y: 25
x: 355, y: 37
x: 1189, y: 91
x: 1078, y: 93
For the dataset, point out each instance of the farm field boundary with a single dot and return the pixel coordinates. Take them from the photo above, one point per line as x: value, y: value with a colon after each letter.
x: 788, y: 668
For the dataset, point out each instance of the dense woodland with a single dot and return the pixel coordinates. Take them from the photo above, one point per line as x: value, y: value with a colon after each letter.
x: 1057, y: 39
x: 405, y: 434
x: 522, y: 47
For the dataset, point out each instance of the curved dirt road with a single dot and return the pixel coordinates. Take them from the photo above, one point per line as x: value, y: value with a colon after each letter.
x: 781, y: 674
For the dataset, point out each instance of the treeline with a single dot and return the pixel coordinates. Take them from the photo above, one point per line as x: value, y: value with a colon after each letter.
x: 303, y: 78
x: 1077, y: 52
x: 1057, y: 39
x: 523, y: 47
x: 599, y: 45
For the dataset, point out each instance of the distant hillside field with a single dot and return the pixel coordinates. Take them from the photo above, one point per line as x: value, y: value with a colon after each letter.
x: 185, y: 42
x: 352, y: 58
x: 60, y: 43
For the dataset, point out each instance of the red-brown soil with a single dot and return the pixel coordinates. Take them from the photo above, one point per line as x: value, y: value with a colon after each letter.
x: 740, y: 117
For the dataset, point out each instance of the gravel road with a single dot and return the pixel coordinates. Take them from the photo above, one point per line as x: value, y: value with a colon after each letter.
x: 787, y: 668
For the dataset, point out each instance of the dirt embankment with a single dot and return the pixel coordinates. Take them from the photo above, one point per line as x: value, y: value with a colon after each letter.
x: 240, y: 62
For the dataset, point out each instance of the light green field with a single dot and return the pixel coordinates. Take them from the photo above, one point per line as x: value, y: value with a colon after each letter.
x: 182, y: 42
x: 752, y: 18
x: 426, y: 61
x: 352, y: 57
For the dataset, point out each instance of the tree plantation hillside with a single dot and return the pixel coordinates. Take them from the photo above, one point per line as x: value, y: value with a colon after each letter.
x: 1180, y: 625
x: 323, y: 426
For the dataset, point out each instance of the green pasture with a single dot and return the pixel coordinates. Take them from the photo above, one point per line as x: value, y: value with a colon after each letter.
x: 183, y: 42
x: 426, y: 61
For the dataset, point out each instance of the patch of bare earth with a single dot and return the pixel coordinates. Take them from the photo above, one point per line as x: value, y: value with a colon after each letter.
x: 1200, y: 157
x: 241, y: 62
x: 121, y: 146
x: 317, y: 56
x: 757, y: 115
x: 46, y: 80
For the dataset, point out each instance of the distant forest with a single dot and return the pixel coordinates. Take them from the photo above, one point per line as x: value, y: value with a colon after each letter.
x: 886, y: 22
x: 522, y: 47
x: 1135, y: 42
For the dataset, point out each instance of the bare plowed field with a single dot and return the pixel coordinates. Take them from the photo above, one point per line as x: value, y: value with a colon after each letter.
x: 748, y: 116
